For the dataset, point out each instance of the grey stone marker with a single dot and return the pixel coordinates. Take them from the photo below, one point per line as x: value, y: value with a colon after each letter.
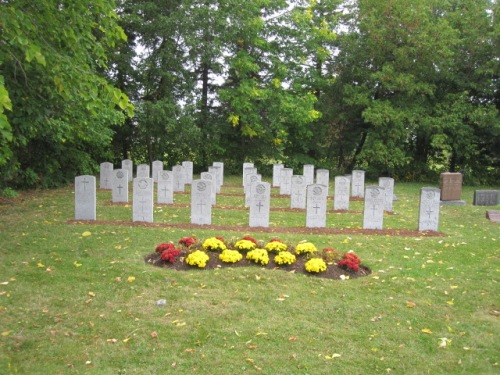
x: 308, y: 173
x: 207, y: 176
x: 373, y: 211
x: 451, y: 189
x: 486, y: 197
x: 221, y: 166
x: 217, y: 172
x: 106, y: 175
x: 143, y: 171
x: 323, y: 178
x: 85, y: 197
x: 388, y: 184
x: 342, y: 193
x: 165, y: 187
x: 157, y: 168
x: 246, y: 182
x: 316, y: 206
x: 120, y: 186
x: 260, y: 204
x: 245, y: 166
x: 358, y: 183
x: 428, y: 214
x: 277, y: 174
x: 142, y: 205
x: 298, y: 192
x: 251, y: 179
x: 188, y: 171
x: 286, y: 181
x: 201, y: 198
x: 129, y: 166
x: 178, y: 174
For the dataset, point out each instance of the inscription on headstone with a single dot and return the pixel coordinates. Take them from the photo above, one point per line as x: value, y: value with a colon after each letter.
x: 85, y: 197
x: 120, y: 186
x: 373, y: 212
x: 245, y: 166
x: 323, y: 178
x: 298, y: 192
x: 358, y: 183
x: 388, y: 184
x: 157, y: 168
x: 251, y: 179
x: 246, y: 182
x: 142, y: 205
x: 260, y: 204
x: 316, y: 206
x: 428, y: 215
x: 207, y: 176
x: 451, y: 186
x: 277, y: 174
x: 165, y: 188
x: 129, y: 166
x: 486, y: 197
x: 143, y: 171
x: 342, y: 193
x: 106, y: 176
x: 201, y: 198
x: 286, y: 181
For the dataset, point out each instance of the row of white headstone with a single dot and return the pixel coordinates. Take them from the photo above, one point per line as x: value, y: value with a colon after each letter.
x: 257, y: 197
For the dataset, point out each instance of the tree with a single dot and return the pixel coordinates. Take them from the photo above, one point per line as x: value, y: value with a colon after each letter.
x: 58, y: 107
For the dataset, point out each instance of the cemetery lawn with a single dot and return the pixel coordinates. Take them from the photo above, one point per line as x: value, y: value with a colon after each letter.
x: 79, y: 298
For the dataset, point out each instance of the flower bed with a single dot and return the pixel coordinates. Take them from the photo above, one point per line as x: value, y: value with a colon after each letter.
x: 190, y: 254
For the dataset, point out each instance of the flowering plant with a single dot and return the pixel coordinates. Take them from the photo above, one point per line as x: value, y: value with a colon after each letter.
x: 169, y: 255
x: 305, y: 248
x: 315, y: 265
x: 350, y: 261
x: 330, y: 255
x: 230, y: 256
x: 245, y: 245
x: 214, y: 244
x: 187, y: 241
x: 276, y: 246
x: 197, y: 258
x: 284, y: 257
x: 164, y: 246
x: 248, y: 238
x: 258, y: 256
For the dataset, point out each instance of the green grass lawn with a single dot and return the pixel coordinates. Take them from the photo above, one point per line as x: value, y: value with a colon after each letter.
x: 79, y: 304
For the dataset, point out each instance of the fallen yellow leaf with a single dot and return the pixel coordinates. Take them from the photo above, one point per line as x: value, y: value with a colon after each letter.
x: 410, y: 304
x: 86, y: 234
x: 131, y: 279
x: 427, y: 330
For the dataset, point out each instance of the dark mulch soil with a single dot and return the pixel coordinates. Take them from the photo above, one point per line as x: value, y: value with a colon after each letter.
x: 333, y: 271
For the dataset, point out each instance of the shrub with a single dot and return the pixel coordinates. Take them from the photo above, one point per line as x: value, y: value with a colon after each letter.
x: 164, y: 246
x: 330, y: 255
x: 187, y: 241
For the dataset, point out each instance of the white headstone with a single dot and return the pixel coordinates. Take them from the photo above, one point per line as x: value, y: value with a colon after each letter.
x: 143, y: 171
x: 207, y: 176
x: 388, y: 184
x: 85, y: 198
x: 201, y: 198
x: 308, y: 172
x: 298, y: 192
x: 323, y: 178
x: 245, y: 166
x: 428, y: 215
x: 316, y: 206
x: 342, y: 193
x: 251, y: 179
x: 358, y: 183
x: 188, y: 171
x: 260, y: 204
x: 129, y: 166
x: 373, y: 212
x: 217, y: 172
x: 142, y: 205
x: 277, y: 174
x: 106, y: 176
x: 286, y: 181
x: 120, y: 186
x: 157, y: 167
x: 178, y: 174
x: 221, y: 166
x: 246, y: 182
x: 165, y: 193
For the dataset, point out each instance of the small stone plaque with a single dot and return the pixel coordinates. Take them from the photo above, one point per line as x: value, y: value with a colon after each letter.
x: 486, y: 197
x: 129, y: 166
x: 286, y: 181
x: 342, y: 193
x: 316, y: 206
x: 428, y: 215
x: 298, y: 193
x: 277, y: 174
x: 388, y: 184
x: 373, y: 211
x: 323, y: 178
x: 165, y: 187
x: 358, y: 183
x: 119, y: 191
x: 143, y: 171
x: 142, y: 205
x: 157, y: 168
x: 451, y: 186
x: 85, y: 197
x: 106, y: 176
x: 201, y: 202
x: 260, y: 203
